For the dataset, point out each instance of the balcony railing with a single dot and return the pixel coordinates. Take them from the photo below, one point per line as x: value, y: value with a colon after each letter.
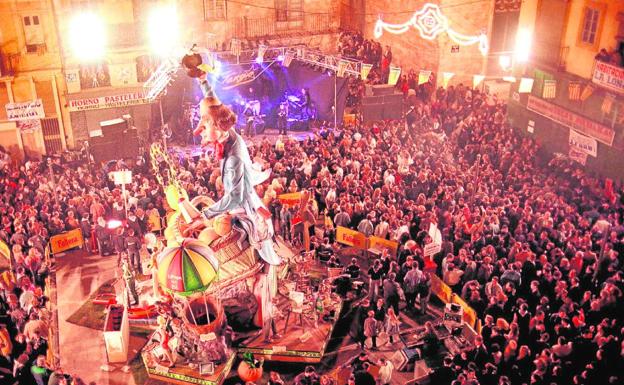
x: 543, y: 55
x: 246, y: 28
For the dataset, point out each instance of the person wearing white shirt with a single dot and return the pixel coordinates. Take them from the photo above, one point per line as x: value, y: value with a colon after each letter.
x: 385, y: 371
x: 381, y: 230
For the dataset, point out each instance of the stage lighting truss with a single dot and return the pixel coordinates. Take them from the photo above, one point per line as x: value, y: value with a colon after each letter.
x: 156, y: 85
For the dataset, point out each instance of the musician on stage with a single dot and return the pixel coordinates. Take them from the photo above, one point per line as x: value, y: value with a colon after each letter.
x: 282, y: 118
x: 250, y: 115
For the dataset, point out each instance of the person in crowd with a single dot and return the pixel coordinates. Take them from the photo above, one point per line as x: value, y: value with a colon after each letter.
x: 392, y: 326
x: 386, y: 368
x: 371, y: 329
x: 308, y: 377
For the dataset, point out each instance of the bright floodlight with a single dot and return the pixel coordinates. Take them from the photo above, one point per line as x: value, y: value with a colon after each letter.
x: 163, y: 30
x: 88, y: 36
x: 504, y: 61
x: 523, y: 45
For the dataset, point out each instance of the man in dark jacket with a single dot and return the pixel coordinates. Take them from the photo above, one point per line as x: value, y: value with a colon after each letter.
x: 133, y: 247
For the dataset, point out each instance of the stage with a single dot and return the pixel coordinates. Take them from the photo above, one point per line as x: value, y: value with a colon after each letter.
x: 298, y: 343
x: 184, y: 374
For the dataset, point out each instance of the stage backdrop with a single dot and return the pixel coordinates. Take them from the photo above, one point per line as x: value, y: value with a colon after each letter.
x: 321, y: 87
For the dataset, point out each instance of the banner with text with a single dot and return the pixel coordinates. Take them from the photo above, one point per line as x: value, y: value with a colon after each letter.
x: 583, y: 143
x: 113, y: 101
x: 609, y: 76
x: 571, y: 120
x: 382, y: 243
x: 66, y: 241
x: 290, y: 199
x: 351, y: 237
x: 25, y: 111
x: 577, y: 156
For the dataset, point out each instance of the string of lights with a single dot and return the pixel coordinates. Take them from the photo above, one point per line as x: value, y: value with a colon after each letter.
x: 252, y: 5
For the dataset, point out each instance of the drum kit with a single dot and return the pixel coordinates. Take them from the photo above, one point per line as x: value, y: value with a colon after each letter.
x: 298, y: 110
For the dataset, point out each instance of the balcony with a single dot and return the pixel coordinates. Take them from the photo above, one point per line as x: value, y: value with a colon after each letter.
x: 264, y: 27
x: 552, y: 56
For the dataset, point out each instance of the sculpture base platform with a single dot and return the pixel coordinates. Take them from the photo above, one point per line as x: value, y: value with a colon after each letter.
x: 183, y: 374
x: 300, y: 340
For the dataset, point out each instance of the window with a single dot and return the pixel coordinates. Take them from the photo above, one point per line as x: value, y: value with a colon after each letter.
x: 33, y: 33
x: 288, y: 10
x: 214, y: 9
x: 589, y: 31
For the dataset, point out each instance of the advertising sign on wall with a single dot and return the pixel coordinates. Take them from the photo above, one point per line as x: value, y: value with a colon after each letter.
x: 571, y: 120
x: 25, y: 111
x: 583, y: 143
x: 609, y: 76
x: 113, y: 101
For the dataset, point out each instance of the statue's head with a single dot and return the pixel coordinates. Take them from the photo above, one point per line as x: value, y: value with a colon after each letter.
x: 216, y: 119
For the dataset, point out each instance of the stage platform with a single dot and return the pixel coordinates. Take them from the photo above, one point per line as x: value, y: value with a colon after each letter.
x: 298, y: 343
x: 183, y: 374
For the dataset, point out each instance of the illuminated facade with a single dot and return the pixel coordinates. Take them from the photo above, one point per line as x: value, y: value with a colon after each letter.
x: 578, y: 90
x: 87, y: 60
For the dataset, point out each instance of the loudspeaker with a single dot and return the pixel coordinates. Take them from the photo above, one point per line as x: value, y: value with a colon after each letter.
x: 130, y: 144
x: 113, y: 128
x: 382, y: 107
x: 105, y: 151
x: 383, y: 89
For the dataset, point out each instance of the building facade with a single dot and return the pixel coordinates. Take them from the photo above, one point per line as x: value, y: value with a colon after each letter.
x: 31, y: 79
x: 576, y: 104
x: 411, y: 50
x: 41, y: 65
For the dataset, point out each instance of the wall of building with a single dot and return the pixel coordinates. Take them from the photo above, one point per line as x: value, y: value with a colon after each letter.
x: 408, y: 49
x: 411, y: 51
x: 468, y: 18
x: 30, y: 75
x: 574, y: 68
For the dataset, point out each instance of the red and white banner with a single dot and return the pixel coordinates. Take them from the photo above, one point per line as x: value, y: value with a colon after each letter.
x: 609, y: 76
x: 571, y: 120
x: 113, y: 101
x: 583, y: 143
x: 577, y: 156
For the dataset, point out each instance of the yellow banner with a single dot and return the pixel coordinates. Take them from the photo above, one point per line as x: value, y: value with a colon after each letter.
x: 470, y: 315
x: 393, y: 76
x: 5, y: 251
x: 66, y: 241
x: 351, y: 237
x: 290, y: 199
x: 382, y: 243
x: 441, y: 289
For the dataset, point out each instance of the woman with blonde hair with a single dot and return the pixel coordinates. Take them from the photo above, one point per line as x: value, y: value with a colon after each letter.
x: 393, y: 324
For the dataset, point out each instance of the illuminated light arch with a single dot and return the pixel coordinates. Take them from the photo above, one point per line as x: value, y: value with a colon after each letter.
x: 430, y: 23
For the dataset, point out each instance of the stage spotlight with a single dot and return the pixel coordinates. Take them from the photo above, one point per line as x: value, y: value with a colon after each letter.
x: 280, y: 58
x: 163, y: 30
x: 259, y: 60
x: 218, y: 68
x: 87, y: 36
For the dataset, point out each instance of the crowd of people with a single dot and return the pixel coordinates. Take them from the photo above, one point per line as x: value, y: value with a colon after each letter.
x: 42, y: 199
x: 534, y: 248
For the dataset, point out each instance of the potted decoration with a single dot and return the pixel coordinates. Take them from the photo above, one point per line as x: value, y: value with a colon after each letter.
x: 249, y: 368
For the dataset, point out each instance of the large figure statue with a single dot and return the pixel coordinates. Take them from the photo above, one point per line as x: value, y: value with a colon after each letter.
x: 240, y: 199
